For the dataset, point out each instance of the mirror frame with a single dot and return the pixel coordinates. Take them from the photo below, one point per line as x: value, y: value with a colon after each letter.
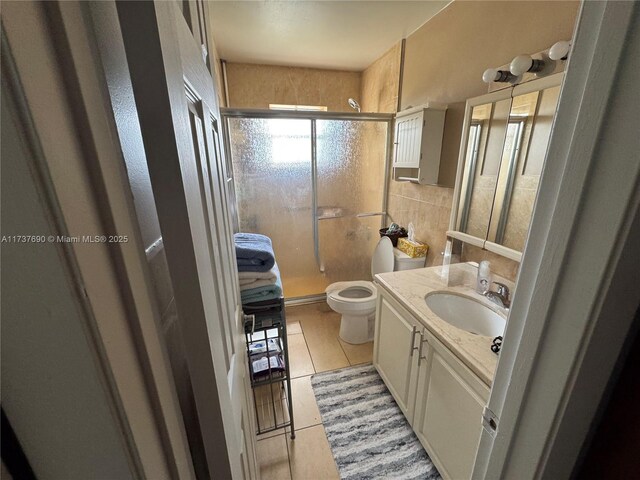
x: 461, y: 186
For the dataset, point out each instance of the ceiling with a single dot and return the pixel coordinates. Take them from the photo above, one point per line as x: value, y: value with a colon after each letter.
x: 342, y: 35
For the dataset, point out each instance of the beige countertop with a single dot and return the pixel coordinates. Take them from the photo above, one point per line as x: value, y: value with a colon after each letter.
x: 409, y: 287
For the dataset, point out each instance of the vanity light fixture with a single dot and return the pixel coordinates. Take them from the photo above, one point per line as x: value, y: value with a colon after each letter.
x: 560, y: 50
x: 525, y: 63
x: 495, y: 75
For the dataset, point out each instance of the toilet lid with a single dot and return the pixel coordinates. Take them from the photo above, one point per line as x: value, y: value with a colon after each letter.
x: 382, y: 260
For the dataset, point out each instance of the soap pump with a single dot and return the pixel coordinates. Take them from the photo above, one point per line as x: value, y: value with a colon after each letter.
x: 483, y: 282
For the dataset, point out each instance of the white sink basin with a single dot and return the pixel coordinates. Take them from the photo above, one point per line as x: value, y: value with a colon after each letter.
x: 466, y: 313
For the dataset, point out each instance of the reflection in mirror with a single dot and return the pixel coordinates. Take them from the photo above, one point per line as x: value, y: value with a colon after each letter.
x: 525, y: 147
x: 487, y: 131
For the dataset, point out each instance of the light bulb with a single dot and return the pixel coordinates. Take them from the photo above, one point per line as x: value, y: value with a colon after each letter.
x: 494, y: 75
x: 521, y: 64
x: 490, y: 75
x: 560, y: 50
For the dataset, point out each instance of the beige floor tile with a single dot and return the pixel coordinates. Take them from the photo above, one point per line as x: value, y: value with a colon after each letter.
x: 264, y: 393
x: 273, y: 414
x: 274, y: 433
x: 321, y: 331
x: 357, y: 354
x: 305, y: 408
x: 299, y: 359
x: 273, y: 458
x: 310, y: 455
x: 293, y: 327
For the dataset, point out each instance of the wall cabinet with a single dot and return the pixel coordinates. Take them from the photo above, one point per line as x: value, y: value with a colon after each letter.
x: 440, y: 396
x: 417, y: 145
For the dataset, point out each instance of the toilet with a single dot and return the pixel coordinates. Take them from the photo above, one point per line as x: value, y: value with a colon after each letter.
x: 356, y: 300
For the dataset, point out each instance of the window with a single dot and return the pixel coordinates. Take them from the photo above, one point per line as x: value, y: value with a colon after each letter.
x: 313, y: 108
x: 290, y: 140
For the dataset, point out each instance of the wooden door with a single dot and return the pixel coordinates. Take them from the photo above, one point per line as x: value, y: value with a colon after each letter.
x: 179, y: 120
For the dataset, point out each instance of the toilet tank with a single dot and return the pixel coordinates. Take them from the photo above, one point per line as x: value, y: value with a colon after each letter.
x: 402, y: 261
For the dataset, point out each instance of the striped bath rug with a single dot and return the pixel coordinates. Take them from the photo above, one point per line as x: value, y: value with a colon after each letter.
x: 368, y: 434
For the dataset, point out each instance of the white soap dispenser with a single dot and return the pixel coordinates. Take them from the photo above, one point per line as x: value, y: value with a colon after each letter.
x: 483, y: 283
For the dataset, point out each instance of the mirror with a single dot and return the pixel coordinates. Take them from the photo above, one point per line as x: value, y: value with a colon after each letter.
x: 505, y: 140
x: 486, y: 135
x: 525, y: 146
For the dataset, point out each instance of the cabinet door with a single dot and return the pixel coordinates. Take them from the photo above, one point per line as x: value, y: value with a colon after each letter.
x: 408, y: 140
x: 448, y: 416
x: 396, y: 341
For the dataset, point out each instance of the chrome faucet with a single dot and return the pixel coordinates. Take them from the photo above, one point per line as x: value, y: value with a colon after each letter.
x: 500, y: 297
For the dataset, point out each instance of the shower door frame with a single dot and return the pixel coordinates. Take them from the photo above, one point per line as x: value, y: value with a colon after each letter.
x: 313, y: 117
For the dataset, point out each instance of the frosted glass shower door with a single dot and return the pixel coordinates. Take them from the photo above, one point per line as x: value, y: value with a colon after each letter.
x: 316, y: 187
x: 351, y: 159
x: 272, y: 175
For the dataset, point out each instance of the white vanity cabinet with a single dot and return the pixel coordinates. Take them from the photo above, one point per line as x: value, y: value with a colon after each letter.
x: 440, y: 396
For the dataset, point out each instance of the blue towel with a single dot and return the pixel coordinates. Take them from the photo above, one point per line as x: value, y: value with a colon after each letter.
x: 254, y: 252
x: 267, y: 292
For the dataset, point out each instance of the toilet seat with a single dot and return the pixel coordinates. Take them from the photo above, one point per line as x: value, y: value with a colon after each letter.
x: 352, y: 292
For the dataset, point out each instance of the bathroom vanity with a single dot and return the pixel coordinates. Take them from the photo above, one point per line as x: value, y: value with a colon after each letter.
x: 439, y: 375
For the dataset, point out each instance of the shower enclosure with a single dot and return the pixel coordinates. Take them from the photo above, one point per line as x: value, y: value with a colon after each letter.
x: 315, y: 183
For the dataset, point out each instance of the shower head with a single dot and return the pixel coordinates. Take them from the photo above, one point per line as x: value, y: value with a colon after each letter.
x: 353, y: 104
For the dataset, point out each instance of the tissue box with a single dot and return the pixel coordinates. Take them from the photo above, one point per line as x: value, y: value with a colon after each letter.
x: 413, y: 249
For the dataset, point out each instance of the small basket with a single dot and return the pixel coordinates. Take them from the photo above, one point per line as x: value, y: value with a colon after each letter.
x: 393, y: 236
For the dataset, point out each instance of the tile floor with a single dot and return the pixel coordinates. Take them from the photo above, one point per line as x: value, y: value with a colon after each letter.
x: 314, y: 347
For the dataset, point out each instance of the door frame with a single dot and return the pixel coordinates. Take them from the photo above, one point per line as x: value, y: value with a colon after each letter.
x: 573, y: 311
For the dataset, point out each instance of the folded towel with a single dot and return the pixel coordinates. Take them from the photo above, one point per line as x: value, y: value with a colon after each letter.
x: 261, y: 293
x: 266, y: 279
x: 266, y: 292
x: 248, y: 278
x: 254, y: 252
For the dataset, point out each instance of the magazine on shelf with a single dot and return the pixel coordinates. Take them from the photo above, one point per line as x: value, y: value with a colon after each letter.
x: 260, y: 364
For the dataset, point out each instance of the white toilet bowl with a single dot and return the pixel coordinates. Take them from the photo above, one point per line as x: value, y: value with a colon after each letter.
x: 356, y: 301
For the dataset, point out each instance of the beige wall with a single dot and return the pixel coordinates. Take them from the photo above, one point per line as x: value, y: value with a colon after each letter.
x: 381, y: 82
x: 256, y: 86
x: 427, y: 207
x: 501, y: 265
x: 444, y: 68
